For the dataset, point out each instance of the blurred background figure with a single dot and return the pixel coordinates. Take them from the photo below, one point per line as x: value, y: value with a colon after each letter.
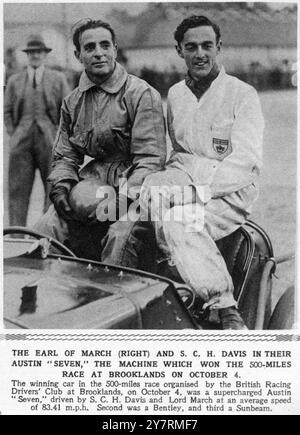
x: 33, y: 98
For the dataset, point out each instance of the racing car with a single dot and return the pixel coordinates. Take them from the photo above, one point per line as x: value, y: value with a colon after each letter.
x: 47, y: 286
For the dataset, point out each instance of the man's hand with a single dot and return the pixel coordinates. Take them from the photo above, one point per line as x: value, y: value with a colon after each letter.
x: 59, y: 196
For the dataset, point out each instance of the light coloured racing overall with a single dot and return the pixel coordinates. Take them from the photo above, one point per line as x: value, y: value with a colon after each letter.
x: 217, y: 148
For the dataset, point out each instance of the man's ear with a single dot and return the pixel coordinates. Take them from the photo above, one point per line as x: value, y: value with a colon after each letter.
x: 219, y: 46
x: 179, y: 51
x: 77, y: 55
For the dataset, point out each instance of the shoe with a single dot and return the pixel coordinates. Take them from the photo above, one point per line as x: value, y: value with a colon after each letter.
x: 231, y: 319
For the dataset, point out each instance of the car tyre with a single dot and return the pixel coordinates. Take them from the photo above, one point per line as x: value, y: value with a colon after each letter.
x: 283, y: 316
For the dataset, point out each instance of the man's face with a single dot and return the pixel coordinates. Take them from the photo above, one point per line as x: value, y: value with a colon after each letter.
x: 97, y: 53
x: 199, y: 49
x: 36, y: 58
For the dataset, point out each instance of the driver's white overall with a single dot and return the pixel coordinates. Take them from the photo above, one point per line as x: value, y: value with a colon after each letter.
x: 217, y: 147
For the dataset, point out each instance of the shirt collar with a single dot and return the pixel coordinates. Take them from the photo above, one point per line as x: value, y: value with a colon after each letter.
x: 219, y: 79
x: 39, y: 72
x: 112, y: 85
x: 220, y: 76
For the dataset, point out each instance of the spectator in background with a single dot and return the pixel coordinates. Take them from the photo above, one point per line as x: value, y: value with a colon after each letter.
x: 11, y: 64
x: 286, y: 73
x: 256, y: 76
x: 33, y: 99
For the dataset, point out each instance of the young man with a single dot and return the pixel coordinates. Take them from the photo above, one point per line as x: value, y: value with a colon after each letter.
x: 216, y: 127
x: 32, y: 105
x: 116, y: 119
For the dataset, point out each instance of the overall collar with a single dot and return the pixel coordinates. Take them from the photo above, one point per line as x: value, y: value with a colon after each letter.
x: 112, y: 84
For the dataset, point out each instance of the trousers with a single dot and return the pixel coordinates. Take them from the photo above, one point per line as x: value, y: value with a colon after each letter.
x: 186, y: 234
x: 123, y: 243
x: 29, y: 150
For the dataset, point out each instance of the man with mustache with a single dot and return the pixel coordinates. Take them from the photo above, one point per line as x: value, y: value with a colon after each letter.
x: 116, y: 119
x: 216, y: 128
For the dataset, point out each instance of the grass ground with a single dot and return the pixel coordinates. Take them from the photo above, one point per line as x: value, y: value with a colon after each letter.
x: 275, y: 210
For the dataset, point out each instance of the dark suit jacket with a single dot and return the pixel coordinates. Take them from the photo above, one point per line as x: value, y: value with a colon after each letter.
x: 55, y: 88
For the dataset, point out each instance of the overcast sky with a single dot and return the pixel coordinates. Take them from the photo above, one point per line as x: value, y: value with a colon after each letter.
x: 32, y: 11
x: 35, y: 11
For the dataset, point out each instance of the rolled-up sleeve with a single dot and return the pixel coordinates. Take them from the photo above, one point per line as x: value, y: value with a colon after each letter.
x: 66, y: 158
x: 243, y: 165
x: 148, y: 141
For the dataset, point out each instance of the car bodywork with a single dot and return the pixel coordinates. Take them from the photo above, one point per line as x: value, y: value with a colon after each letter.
x: 65, y: 292
x: 44, y: 289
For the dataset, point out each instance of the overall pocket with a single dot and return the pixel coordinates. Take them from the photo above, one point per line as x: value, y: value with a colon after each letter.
x: 80, y: 139
x: 122, y: 139
x: 102, y: 141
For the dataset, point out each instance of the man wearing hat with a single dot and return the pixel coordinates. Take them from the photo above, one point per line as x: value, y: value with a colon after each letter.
x: 32, y: 104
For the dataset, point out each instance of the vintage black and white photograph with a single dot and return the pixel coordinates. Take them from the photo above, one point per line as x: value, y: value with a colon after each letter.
x: 150, y: 166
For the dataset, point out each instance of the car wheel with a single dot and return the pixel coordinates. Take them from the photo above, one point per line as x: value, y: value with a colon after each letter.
x: 283, y: 316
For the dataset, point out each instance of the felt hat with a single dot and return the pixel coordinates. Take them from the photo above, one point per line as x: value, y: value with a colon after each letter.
x: 36, y: 42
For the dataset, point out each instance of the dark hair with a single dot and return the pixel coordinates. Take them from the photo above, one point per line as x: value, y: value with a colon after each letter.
x: 87, y: 23
x: 192, y: 22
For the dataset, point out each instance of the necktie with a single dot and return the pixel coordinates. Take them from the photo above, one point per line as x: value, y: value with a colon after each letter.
x: 34, y: 80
